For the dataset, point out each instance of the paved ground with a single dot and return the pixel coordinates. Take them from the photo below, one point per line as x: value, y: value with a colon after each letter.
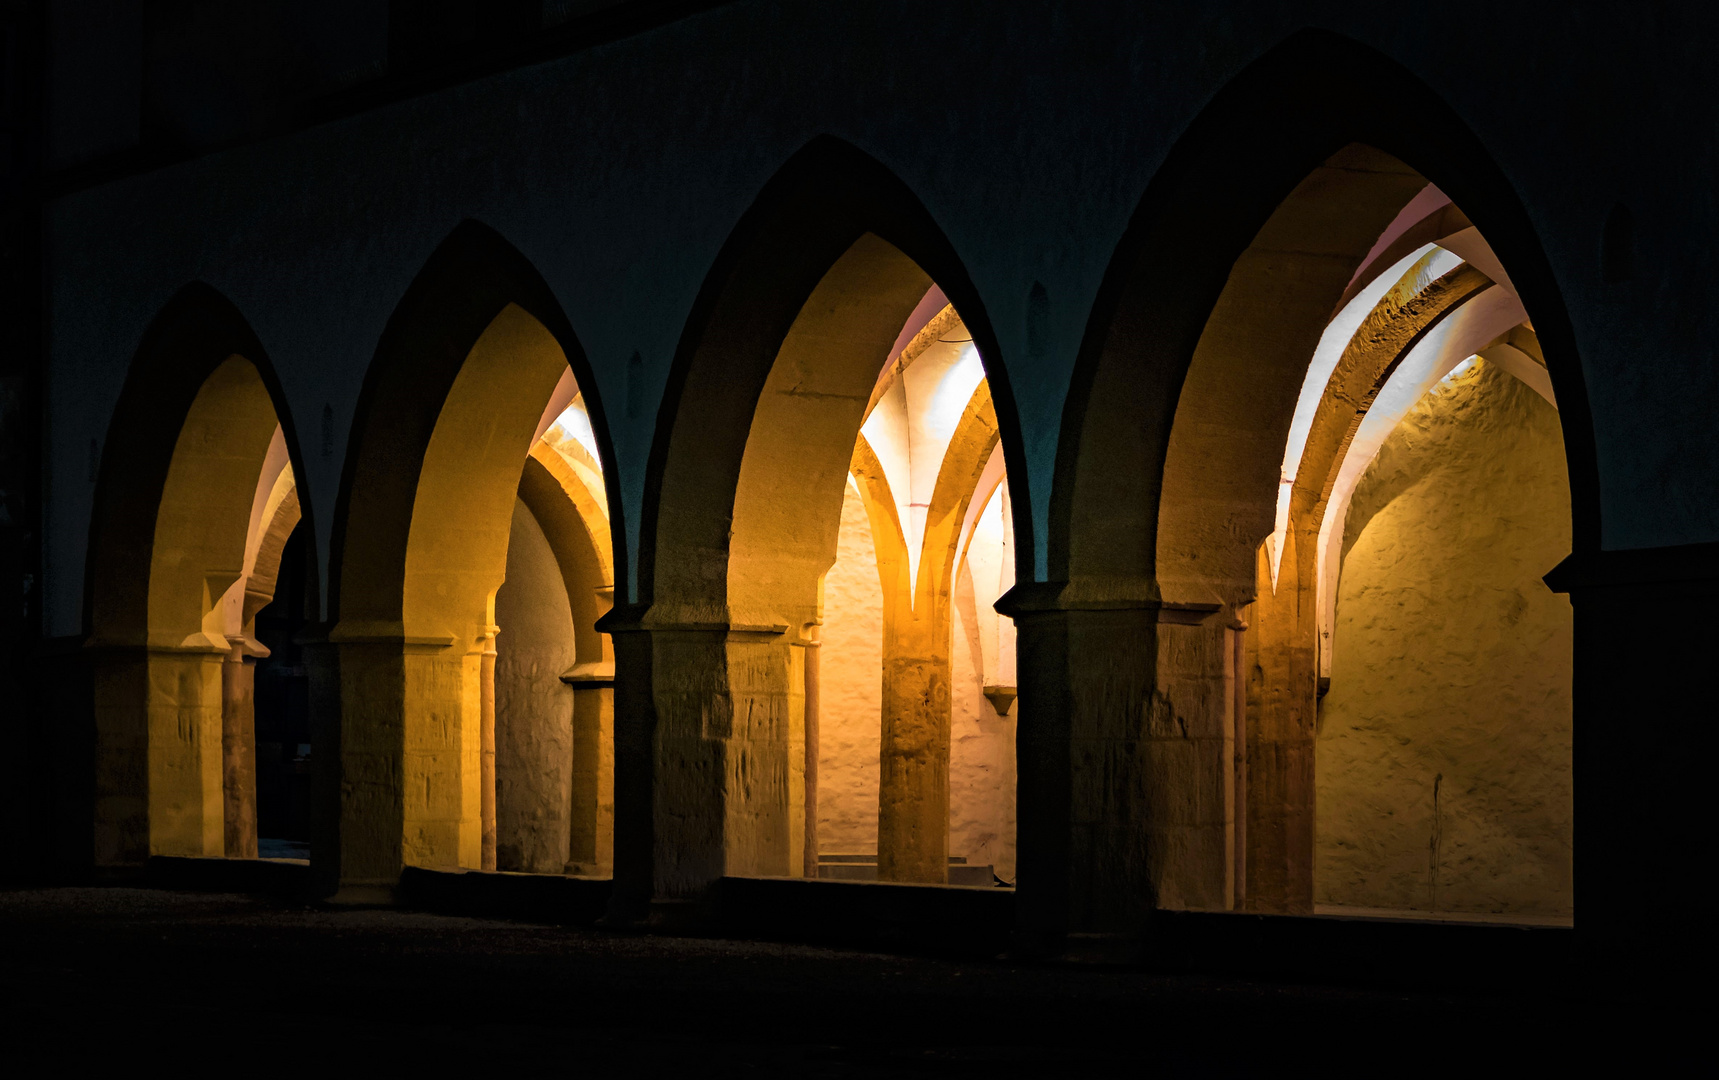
x: 161, y: 980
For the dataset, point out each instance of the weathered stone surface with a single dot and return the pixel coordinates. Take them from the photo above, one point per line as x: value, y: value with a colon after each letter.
x: 1445, y: 745
x: 851, y: 689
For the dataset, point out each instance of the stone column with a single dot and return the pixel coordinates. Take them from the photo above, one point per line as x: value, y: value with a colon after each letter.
x: 157, y: 751
x: 708, y: 782
x: 406, y: 788
x: 635, y: 720
x: 1640, y: 742
x: 183, y: 757
x: 1282, y: 710
x: 1086, y: 668
x: 322, y: 664
x: 590, y: 834
x: 118, y: 752
x: 239, y: 753
x: 913, y: 781
x: 1238, y: 674
x: 813, y: 652
x: 486, y: 745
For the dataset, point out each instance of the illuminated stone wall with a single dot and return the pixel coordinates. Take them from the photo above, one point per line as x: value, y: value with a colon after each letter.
x: 851, y: 685
x: 1444, y: 750
x: 982, y: 749
x: 982, y: 767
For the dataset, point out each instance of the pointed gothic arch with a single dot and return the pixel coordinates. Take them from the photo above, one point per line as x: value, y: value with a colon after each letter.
x: 743, y: 494
x: 451, y: 405
x: 1318, y: 124
x: 175, y: 492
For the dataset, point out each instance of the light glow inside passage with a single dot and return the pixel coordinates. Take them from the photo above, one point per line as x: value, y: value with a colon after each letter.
x: 990, y: 559
x: 911, y: 426
x: 1332, y: 343
x: 574, y: 423
x: 1440, y: 357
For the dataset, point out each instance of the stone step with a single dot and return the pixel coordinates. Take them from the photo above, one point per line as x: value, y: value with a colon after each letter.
x: 954, y: 860
x: 850, y: 869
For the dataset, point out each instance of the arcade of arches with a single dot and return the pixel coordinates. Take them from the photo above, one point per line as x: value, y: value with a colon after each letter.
x: 1346, y: 687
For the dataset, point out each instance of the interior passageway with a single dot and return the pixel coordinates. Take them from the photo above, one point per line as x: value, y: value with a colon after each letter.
x: 198, y: 463
x: 554, y: 673
x: 480, y: 464
x: 1382, y: 679
x: 916, y: 718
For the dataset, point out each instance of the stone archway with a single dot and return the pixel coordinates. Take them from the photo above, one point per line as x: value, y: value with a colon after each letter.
x: 740, y: 525
x: 187, y: 496
x: 452, y: 405
x: 1276, y: 184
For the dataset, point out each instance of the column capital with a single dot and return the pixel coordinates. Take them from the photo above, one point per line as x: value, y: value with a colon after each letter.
x: 1683, y: 568
x: 650, y: 618
x: 1081, y: 594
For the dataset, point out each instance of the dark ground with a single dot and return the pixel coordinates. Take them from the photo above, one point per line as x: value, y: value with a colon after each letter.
x: 180, y: 982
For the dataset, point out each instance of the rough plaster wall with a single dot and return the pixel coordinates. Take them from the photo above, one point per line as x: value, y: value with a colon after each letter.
x: 1444, y: 752
x: 533, y: 707
x: 981, y: 758
x: 851, y: 688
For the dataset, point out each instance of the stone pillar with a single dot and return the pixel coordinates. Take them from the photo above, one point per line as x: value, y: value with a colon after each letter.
x: 709, y: 730
x: 486, y: 745
x: 591, y: 832
x: 635, y: 720
x: 1643, y: 738
x: 322, y: 664
x: 119, y: 754
x: 813, y: 654
x: 913, y: 781
x: 1282, y: 714
x: 408, y: 787
x: 158, y: 752
x: 239, y: 754
x: 1238, y: 685
x: 1086, y: 669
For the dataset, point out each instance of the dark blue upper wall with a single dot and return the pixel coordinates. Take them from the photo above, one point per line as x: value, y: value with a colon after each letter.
x: 1028, y: 131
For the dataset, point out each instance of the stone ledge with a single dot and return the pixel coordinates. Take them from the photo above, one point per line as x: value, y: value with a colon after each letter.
x: 191, y: 873
x: 1361, y: 950
x: 944, y: 919
x: 1686, y: 568
x: 546, y: 898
